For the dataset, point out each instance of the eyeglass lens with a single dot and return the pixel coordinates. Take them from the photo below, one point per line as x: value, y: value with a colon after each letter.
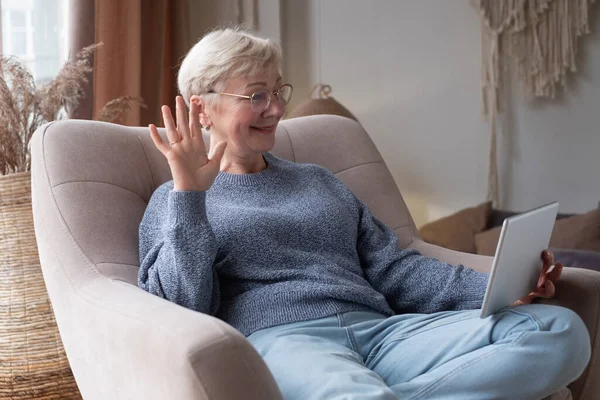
x: 261, y: 99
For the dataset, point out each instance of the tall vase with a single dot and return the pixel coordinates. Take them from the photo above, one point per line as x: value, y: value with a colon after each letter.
x: 33, y: 363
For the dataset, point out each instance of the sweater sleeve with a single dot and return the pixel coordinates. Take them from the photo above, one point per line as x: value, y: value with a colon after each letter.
x: 410, y: 281
x: 178, y: 250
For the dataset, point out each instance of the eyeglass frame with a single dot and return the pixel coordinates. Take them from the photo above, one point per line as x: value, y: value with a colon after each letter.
x: 273, y: 93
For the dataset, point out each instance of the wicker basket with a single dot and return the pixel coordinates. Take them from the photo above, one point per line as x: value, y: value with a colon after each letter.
x: 33, y: 363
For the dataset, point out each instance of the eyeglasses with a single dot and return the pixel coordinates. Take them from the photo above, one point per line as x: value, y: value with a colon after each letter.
x: 260, y: 100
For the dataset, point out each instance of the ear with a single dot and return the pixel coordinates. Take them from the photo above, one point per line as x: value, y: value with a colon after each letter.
x: 205, y: 119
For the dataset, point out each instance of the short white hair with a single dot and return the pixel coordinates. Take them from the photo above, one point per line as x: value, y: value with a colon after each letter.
x: 224, y: 54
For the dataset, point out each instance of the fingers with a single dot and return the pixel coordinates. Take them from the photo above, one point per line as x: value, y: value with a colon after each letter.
x: 548, y: 260
x: 547, y: 292
x: 550, y: 290
x: 550, y: 272
x: 182, y: 120
x: 555, y: 274
x: 548, y: 257
x: 172, y: 133
x: 158, y: 141
x: 546, y: 287
x: 196, y: 128
x: 526, y: 299
x: 542, y: 278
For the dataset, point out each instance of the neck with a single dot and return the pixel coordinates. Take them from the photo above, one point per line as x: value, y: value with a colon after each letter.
x: 238, y: 165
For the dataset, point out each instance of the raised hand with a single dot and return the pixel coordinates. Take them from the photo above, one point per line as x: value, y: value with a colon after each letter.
x: 545, y: 287
x: 192, y: 168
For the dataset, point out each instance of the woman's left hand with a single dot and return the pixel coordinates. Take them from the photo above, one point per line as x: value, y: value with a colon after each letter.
x: 545, y: 288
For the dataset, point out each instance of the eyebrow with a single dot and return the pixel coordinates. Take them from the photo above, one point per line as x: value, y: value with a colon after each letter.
x: 259, y: 83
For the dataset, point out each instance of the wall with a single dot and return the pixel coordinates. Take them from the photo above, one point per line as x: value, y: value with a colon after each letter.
x: 299, y: 39
x: 410, y: 72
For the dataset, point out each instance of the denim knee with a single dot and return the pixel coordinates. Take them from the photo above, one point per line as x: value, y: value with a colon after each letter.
x: 562, y: 343
x: 573, y: 347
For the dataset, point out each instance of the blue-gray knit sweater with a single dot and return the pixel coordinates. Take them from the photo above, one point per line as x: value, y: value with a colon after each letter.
x: 287, y: 244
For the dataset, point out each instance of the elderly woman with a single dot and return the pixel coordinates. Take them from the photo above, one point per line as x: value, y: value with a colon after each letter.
x: 286, y: 253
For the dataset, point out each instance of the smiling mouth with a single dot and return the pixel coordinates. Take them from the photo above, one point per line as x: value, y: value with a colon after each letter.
x: 264, y: 129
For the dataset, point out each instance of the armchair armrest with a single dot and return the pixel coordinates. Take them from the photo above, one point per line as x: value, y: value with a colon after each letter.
x: 474, y: 261
x: 579, y: 290
x: 124, y: 343
x: 578, y: 258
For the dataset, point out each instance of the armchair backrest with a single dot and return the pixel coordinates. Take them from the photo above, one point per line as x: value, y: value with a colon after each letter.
x: 91, y: 182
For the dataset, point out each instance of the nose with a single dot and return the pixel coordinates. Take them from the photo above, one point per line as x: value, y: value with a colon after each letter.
x: 276, y: 109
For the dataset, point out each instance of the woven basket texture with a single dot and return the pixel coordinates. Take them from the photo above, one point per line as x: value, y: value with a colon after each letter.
x: 33, y: 363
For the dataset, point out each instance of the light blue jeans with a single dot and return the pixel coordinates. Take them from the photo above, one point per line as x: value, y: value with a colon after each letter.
x: 525, y: 352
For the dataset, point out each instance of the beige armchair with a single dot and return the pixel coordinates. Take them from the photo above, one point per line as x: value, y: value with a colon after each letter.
x: 91, y: 183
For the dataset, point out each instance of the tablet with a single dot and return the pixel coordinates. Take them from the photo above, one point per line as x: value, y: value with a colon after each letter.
x: 518, y: 263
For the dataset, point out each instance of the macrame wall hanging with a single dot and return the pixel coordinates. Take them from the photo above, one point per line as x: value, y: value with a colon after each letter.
x: 534, y: 40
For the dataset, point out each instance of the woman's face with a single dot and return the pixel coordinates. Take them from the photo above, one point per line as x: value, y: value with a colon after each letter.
x: 248, y: 133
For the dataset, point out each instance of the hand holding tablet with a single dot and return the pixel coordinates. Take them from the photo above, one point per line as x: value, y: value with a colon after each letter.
x: 545, y: 288
x: 517, y: 276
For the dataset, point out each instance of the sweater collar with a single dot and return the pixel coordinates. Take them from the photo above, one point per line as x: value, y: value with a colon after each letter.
x: 258, y: 178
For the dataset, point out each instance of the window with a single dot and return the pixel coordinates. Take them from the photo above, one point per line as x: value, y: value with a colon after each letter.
x: 36, y: 32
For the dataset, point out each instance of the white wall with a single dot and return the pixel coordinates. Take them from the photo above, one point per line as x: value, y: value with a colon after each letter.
x: 299, y: 38
x: 269, y: 19
x: 410, y: 72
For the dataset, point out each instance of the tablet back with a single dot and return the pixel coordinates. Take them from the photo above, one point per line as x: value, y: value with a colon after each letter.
x: 518, y: 263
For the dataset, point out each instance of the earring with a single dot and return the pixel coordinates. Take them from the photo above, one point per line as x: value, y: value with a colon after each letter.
x: 207, y: 128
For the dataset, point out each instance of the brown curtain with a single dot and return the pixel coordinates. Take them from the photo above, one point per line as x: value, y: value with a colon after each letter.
x: 144, y: 42
x: 1, y: 51
x: 81, y: 34
x: 117, y: 63
x: 167, y: 38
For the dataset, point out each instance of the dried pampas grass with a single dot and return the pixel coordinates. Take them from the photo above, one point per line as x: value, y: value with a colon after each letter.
x: 115, y: 110
x: 24, y: 107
